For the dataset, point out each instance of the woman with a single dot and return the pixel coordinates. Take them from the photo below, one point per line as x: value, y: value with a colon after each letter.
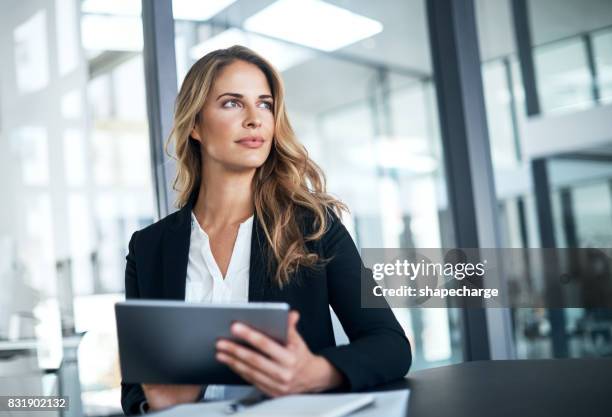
x: 255, y: 224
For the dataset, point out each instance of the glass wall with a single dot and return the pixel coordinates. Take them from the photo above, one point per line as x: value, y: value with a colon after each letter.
x: 572, y: 62
x: 76, y: 182
x: 363, y: 104
x: 562, y: 75
x: 602, y: 45
x: 571, y: 51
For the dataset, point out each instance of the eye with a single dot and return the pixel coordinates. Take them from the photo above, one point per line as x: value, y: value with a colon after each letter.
x: 268, y: 105
x: 225, y: 104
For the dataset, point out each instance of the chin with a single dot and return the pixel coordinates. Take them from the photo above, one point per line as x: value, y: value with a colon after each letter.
x: 239, y: 161
x: 246, y: 164
x: 254, y: 160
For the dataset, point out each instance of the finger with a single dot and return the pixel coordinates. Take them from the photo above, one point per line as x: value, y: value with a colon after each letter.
x: 262, y: 342
x: 253, y: 376
x: 152, y: 387
x: 292, y: 321
x: 267, y: 388
x: 256, y: 360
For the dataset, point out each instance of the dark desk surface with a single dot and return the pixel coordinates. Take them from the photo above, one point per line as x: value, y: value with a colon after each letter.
x: 556, y: 388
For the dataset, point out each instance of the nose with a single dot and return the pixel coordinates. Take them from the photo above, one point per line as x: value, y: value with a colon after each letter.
x: 252, y: 119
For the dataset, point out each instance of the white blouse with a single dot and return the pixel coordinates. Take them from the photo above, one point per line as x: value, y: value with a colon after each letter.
x: 206, y: 284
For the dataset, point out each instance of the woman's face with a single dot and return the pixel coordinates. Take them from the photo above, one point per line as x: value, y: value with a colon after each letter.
x: 237, y: 121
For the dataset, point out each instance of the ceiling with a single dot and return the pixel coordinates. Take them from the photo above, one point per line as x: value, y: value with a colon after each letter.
x: 404, y: 41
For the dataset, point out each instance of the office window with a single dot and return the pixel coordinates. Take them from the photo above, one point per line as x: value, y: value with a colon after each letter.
x: 501, y: 113
x: 602, y: 47
x: 560, y: 48
x: 560, y: 34
x: 76, y: 179
x: 563, y: 78
x: 578, y: 181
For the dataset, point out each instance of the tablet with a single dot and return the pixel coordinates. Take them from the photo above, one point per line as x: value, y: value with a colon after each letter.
x: 173, y: 342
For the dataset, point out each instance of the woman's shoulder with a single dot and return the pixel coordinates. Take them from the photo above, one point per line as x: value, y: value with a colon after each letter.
x: 174, y: 221
x: 334, y: 240
x: 311, y: 222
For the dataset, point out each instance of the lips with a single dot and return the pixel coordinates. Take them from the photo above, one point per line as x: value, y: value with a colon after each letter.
x: 251, y: 141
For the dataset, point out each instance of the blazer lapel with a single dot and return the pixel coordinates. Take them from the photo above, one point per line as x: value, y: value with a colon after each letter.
x: 175, y: 254
x: 258, y: 276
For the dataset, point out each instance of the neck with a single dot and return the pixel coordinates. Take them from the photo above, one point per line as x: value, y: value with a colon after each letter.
x: 225, y: 197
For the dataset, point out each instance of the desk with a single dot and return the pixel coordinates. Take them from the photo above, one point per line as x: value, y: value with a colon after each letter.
x: 525, y: 388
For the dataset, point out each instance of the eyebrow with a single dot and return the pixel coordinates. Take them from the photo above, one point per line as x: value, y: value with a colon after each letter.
x: 241, y: 96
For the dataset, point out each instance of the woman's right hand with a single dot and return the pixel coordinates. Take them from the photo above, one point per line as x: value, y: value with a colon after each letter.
x: 161, y: 396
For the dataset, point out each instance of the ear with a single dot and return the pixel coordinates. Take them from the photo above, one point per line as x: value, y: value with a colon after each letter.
x: 195, y: 134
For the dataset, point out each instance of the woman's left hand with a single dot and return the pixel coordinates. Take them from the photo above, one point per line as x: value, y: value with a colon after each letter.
x: 280, y: 370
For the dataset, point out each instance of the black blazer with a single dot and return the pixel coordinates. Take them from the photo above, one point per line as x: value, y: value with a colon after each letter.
x: 378, y: 351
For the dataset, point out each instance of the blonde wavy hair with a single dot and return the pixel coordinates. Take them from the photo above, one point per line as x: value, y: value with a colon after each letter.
x: 287, y: 185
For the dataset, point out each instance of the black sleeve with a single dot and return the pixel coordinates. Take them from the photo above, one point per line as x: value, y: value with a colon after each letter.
x: 131, y: 394
x: 379, y: 351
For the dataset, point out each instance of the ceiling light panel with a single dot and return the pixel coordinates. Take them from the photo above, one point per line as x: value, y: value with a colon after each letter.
x: 313, y: 23
x: 282, y: 56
